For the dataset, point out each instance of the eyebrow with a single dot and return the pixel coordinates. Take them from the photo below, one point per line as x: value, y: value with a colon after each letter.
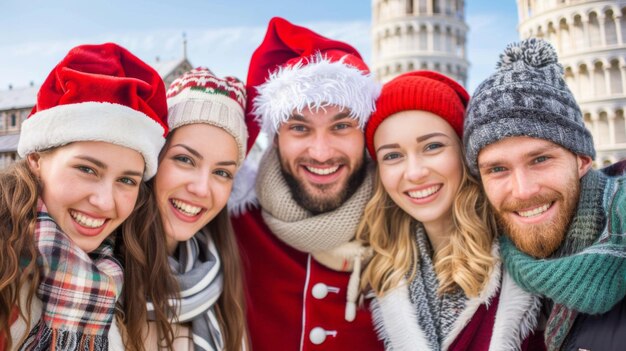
x: 301, y: 118
x: 102, y: 165
x: 431, y: 135
x: 388, y: 146
x: 190, y: 149
x: 227, y: 163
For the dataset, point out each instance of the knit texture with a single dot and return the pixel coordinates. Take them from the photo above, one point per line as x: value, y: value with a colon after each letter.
x: 198, y: 96
x: 588, y: 272
x: 198, y: 270
x: 526, y: 96
x: 436, y: 313
x: 295, y: 225
x: 420, y: 90
x: 78, y: 291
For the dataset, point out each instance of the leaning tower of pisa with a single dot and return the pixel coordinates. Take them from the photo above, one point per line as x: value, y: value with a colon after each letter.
x: 590, y: 38
x: 419, y: 34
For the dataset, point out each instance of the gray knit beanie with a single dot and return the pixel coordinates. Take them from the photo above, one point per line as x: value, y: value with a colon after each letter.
x: 526, y: 96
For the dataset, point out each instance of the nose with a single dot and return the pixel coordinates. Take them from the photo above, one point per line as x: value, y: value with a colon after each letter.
x: 524, y: 185
x: 320, y: 148
x: 102, y: 197
x: 416, y: 169
x: 200, y: 185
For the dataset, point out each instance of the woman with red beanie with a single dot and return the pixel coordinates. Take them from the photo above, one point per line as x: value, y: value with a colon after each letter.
x: 435, y: 272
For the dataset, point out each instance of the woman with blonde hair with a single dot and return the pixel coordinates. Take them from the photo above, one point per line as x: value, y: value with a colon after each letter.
x: 203, y: 152
x: 435, y: 271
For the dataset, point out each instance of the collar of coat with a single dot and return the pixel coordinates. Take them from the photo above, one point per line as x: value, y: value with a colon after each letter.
x: 395, y: 319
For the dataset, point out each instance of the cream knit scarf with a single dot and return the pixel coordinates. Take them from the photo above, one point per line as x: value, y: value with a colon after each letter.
x: 328, y: 237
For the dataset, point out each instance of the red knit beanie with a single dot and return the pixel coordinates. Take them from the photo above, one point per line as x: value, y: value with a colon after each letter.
x: 419, y: 90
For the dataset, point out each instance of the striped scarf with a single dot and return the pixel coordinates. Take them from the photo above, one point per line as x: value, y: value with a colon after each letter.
x: 78, y: 291
x: 587, y: 273
x: 198, y: 269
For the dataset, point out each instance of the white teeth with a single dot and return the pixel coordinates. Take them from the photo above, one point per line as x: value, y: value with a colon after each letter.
x: 322, y: 171
x: 534, y: 212
x: 419, y: 194
x: 87, y: 221
x: 186, y: 208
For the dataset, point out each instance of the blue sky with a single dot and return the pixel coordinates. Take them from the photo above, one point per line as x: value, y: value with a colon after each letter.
x: 221, y: 34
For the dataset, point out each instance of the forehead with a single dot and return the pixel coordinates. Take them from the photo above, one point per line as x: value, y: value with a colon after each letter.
x: 411, y: 124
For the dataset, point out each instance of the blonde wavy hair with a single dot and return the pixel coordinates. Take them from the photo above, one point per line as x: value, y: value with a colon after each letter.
x: 465, y: 262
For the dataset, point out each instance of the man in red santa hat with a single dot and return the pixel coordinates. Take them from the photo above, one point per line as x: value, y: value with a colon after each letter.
x: 312, y: 96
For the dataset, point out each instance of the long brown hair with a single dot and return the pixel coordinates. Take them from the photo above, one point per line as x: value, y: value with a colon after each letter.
x: 143, y: 280
x: 147, y: 275
x: 19, y: 192
x: 231, y: 304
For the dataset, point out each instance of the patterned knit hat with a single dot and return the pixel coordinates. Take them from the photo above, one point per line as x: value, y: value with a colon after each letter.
x: 526, y: 96
x: 419, y: 90
x: 99, y: 93
x: 296, y: 68
x: 198, y: 96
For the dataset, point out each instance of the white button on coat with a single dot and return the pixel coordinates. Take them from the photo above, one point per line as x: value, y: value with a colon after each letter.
x: 319, y: 291
x: 317, y: 335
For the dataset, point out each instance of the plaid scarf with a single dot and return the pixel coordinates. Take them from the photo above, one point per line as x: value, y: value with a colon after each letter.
x: 587, y: 273
x: 78, y: 291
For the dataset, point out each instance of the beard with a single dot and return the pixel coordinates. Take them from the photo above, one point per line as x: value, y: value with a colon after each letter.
x: 542, y: 239
x: 323, y: 199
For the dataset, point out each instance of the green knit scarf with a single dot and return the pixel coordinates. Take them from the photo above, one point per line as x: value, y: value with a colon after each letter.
x: 587, y: 274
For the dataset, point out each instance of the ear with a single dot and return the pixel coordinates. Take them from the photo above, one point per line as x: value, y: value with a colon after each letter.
x: 584, y: 164
x: 34, y: 163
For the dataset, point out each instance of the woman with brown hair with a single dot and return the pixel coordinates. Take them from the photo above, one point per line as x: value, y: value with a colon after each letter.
x: 204, y: 150
x: 61, y: 207
x: 435, y: 271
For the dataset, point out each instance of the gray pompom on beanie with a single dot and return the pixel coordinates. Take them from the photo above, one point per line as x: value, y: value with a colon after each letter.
x: 526, y: 96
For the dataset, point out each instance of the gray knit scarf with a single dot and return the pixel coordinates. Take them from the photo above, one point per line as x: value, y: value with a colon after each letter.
x: 197, y: 268
x: 436, y: 313
x: 295, y: 225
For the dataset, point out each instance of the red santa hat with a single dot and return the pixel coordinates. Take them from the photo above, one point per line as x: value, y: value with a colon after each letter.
x: 295, y: 68
x: 99, y: 93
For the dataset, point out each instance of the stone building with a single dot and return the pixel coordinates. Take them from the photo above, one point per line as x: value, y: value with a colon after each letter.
x: 419, y: 34
x: 589, y: 37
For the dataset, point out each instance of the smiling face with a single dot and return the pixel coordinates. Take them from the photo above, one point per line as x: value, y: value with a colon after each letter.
x: 420, y: 165
x: 322, y: 157
x: 194, y: 179
x: 533, y: 186
x: 89, y: 188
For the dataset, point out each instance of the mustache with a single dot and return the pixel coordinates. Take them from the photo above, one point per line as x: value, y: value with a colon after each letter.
x: 515, y: 205
x: 330, y: 162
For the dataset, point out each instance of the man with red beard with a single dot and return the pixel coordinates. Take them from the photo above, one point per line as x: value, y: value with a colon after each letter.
x: 563, y: 223
x: 312, y: 96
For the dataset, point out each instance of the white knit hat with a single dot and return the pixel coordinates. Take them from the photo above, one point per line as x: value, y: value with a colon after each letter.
x: 198, y: 96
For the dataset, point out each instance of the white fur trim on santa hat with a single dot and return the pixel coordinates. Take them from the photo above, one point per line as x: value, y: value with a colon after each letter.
x: 94, y: 121
x: 314, y: 84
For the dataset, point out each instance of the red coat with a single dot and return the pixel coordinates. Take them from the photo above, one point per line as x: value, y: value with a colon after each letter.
x: 283, y: 313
